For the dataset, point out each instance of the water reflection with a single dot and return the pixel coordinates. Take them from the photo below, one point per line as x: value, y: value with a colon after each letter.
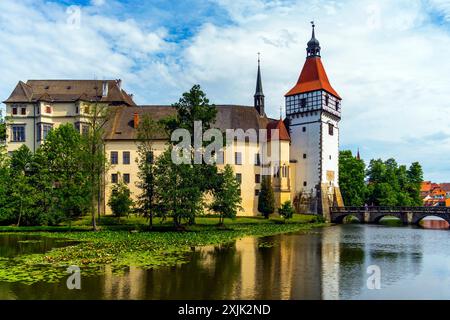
x: 328, y: 263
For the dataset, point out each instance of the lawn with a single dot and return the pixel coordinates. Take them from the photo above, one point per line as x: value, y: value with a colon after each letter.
x: 131, y: 244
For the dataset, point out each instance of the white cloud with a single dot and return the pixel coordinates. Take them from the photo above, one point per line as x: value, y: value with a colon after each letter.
x: 387, y: 59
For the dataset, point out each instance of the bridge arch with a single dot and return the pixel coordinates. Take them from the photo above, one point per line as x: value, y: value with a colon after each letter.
x: 418, y: 217
x: 339, y: 218
x: 377, y: 216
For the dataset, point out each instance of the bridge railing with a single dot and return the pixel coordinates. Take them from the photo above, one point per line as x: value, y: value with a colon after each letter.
x: 384, y: 209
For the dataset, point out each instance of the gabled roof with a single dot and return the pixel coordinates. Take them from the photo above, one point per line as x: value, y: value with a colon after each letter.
x: 69, y: 91
x: 313, y: 77
x: 121, y: 127
x: 282, y: 131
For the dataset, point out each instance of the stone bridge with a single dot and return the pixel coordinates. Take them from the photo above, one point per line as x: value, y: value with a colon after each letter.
x: 408, y: 215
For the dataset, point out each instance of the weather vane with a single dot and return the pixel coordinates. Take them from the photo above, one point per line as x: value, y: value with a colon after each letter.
x: 312, y: 23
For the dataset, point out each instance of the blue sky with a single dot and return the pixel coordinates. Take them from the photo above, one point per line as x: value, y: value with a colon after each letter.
x: 387, y: 59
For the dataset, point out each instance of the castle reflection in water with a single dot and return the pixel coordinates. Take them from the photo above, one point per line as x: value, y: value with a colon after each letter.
x: 321, y: 264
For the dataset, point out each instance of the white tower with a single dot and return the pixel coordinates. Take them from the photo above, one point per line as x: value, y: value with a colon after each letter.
x: 313, y: 110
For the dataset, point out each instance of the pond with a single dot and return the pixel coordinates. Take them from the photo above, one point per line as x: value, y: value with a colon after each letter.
x: 328, y: 263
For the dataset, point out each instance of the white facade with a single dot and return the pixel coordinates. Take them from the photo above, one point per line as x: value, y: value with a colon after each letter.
x: 314, y: 129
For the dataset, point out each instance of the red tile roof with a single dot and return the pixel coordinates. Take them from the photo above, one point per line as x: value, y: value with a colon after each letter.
x: 313, y: 77
x: 282, y: 131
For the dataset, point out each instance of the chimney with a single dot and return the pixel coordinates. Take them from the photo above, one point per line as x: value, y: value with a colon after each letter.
x: 136, y: 120
x: 105, y: 89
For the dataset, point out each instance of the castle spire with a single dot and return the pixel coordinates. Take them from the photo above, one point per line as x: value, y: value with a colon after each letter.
x: 313, y: 49
x: 259, y: 95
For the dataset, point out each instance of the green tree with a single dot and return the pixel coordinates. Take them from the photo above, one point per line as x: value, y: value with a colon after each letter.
x: 61, y: 158
x: 177, y: 196
x: 193, y: 107
x: 5, y: 217
x: 415, y: 179
x: 266, y: 199
x: 286, y: 210
x: 120, y: 200
x: 20, y: 191
x: 3, y: 133
x: 148, y: 130
x: 352, y: 173
x: 226, y: 195
x: 95, y: 162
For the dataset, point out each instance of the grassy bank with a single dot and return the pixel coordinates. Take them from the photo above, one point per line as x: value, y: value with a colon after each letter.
x: 129, y: 244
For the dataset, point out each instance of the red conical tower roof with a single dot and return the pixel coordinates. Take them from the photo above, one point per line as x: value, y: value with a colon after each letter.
x: 313, y: 77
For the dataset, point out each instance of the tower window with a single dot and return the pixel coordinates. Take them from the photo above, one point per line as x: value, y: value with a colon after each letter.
x: 48, y: 109
x: 23, y: 111
x: 327, y: 100
x: 305, y: 183
x: 304, y: 156
x: 304, y: 129
x: 330, y: 129
x: 303, y: 103
x: 337, y: 105
x: 14, y: 110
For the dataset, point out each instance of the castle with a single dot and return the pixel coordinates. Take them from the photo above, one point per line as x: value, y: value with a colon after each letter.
x: 306, y: 169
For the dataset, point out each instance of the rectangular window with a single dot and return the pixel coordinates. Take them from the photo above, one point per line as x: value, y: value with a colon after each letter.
x: 238, y: 158
x: 303, y: 103
x: 18, y: 133
x: 257, y: 159
x: 304, y: 156
x: 126, y: 157
x: 76, y: 110
x: 304, y: 129
x: 220, y: 157
x: 23, y: 111
x: 305, y: 183
x: 48, y: 109
x: 256, y: 192
x: 86, y: 109
x: 330, y: 129
x: 114, y: 178
x: 327, y: 99
x: 84, y: 130
x: 126, y: 178
x: 257, y: 178
x: 45, y: 130
x: 239, y: 177
x: 114, y: 157
x: 14, y: 110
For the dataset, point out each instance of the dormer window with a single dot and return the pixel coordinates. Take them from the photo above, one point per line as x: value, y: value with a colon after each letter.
x: 48, y: 109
